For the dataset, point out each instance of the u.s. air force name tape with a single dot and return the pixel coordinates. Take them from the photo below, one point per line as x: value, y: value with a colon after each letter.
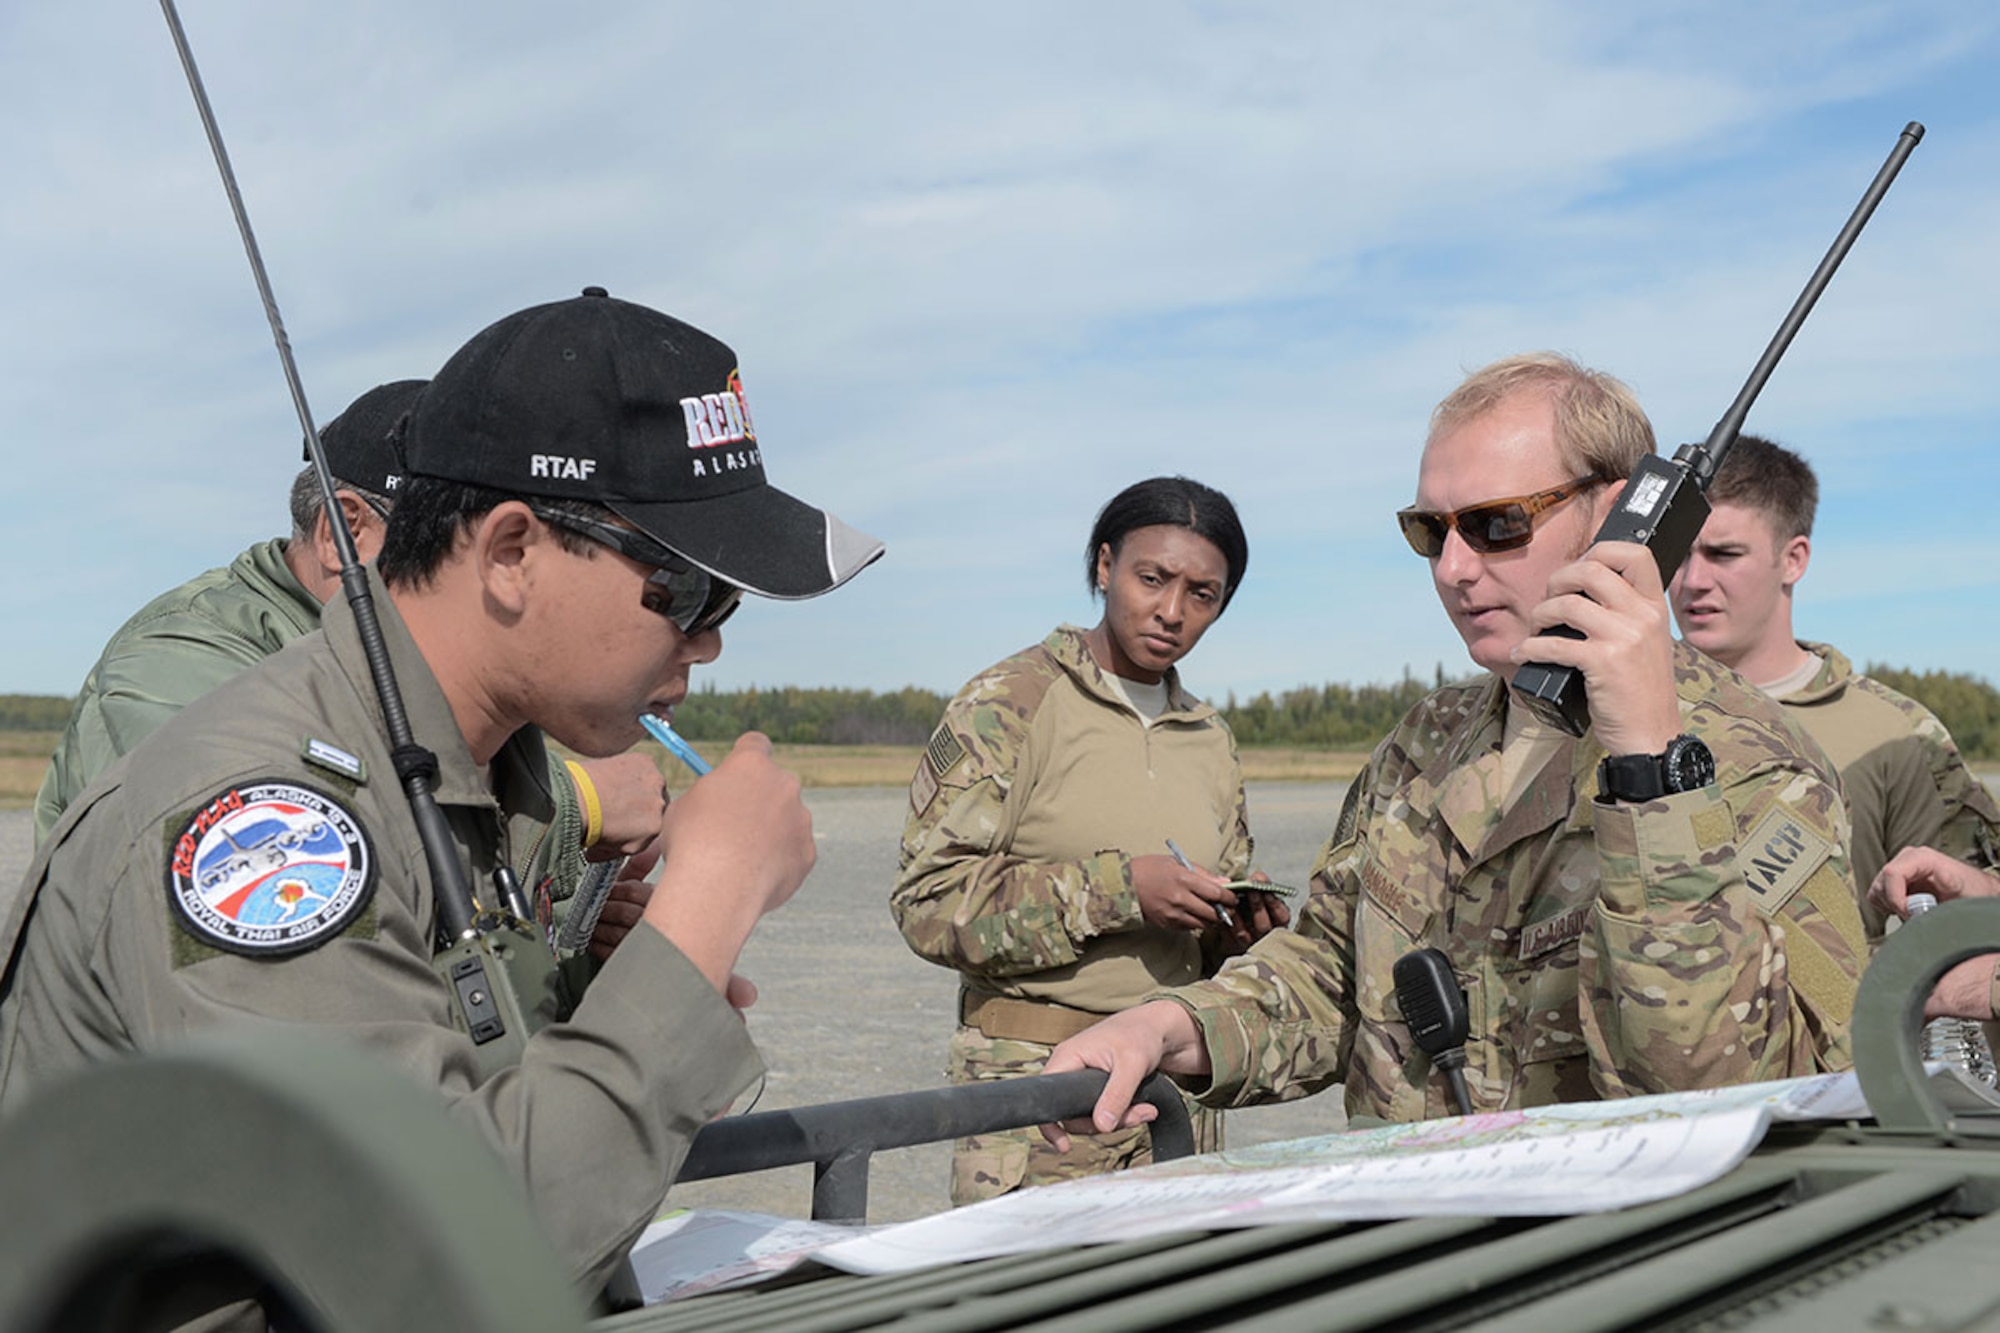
x: 269, y: 868
x: 1552, y: 933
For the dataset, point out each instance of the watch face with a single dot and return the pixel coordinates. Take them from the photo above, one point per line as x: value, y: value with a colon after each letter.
x: 1689, y: 765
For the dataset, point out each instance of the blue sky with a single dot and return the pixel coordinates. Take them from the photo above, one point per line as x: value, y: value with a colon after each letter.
x: 985, y: 265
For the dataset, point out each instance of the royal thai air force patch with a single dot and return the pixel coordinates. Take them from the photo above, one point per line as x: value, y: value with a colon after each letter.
x: 270, y: 868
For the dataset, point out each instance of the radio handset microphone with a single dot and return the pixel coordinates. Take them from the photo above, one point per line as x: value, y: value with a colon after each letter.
x: 1665, y: 503
x: 1434, y: 1010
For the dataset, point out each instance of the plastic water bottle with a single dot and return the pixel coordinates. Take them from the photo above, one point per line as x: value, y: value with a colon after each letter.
x: 1958, y: 1042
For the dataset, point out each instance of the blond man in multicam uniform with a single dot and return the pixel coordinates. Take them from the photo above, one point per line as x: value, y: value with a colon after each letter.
x: 1613, y: 936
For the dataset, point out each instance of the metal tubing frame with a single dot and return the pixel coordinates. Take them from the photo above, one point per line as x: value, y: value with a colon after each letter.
x: 840, y: 1138
x: 1889, y: 1009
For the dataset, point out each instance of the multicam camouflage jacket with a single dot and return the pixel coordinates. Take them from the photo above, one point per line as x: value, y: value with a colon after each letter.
x: 1905, y: 782
x: 1035, y: 792
x: 1703, y: 939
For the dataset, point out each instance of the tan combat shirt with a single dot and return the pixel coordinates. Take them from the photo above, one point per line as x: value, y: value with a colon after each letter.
x: 1905, y: 781
x: 595, y: 1119
x: 1034, y: 794
x: 1704, y: 939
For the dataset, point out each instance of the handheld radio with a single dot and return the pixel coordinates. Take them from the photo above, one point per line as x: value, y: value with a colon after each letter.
x: 1665, y: 503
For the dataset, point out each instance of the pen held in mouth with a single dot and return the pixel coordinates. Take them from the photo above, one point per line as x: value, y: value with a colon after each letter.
x: 677, y: 747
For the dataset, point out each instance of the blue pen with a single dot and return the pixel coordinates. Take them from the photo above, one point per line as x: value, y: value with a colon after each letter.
x: 677, y: 747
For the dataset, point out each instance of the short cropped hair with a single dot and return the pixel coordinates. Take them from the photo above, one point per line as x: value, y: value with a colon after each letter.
x: 431, y: 514
x: 1601, y: 431
x: 1173, y: 502
x: 1760, y: 474
x: 308, y: 502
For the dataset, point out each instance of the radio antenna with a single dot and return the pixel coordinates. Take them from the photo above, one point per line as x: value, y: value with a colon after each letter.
x: 1664, y: 504
x: 415, y: 766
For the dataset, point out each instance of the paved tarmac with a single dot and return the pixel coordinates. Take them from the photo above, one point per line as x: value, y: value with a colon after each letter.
x: 848, y: 1011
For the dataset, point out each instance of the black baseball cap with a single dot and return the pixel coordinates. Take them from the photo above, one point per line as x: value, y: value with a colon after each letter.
x: 358, y: 447
x: 603, y: 400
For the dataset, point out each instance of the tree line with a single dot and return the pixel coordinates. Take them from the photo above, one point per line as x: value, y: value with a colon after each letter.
x: 1331, y: 716
x: 1968, y: 706
x: 33, y: 712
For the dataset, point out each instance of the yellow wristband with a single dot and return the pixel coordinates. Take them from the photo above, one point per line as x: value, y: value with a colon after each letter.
x: 586, y: 795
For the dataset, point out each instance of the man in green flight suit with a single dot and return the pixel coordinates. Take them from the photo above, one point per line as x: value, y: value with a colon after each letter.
x: 586, y: 504
x: 1660, y: 905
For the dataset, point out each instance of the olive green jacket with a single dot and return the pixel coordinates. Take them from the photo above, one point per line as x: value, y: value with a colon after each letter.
x: 101, y: 957
x: 178, y: 647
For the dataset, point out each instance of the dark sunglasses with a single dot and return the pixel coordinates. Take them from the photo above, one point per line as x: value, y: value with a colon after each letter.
x: 694, y: 599
x: 1495, y: 525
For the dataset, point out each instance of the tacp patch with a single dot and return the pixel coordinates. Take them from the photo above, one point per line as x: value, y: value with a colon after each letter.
x: 268, y: 869
x: 941, y: 755
x: 1780, y: 854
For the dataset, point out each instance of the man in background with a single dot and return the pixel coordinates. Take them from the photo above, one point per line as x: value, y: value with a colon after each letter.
x: 189, y: 640
x: 1905, y: 782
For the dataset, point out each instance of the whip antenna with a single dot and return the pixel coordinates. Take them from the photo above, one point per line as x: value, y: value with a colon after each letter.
x: 416, y: 766
x: 1664, y: 504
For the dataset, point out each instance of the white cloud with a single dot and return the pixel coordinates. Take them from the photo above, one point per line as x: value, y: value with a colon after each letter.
x: 986, y: 265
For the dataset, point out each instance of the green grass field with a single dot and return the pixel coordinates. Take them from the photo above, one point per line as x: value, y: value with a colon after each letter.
x: 24, y: 755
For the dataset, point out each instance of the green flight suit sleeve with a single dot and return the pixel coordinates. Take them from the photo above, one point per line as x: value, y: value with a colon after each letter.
x: 154, y: 674
x: 962, y: 900
x: 147, y: 675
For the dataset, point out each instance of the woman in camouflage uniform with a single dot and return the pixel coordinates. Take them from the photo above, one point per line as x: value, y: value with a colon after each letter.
x: 1036, y: 859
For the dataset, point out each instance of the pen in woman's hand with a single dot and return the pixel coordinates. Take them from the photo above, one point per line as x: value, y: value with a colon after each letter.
x: 1181, y: 856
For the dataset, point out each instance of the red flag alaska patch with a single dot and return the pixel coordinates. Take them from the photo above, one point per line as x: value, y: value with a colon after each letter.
x: 269, y: 868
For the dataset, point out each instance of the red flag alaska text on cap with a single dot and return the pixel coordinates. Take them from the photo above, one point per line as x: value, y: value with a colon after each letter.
x: 600, y: 399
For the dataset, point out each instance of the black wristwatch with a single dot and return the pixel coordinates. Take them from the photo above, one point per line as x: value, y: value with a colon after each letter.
x: 1685, y: 765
